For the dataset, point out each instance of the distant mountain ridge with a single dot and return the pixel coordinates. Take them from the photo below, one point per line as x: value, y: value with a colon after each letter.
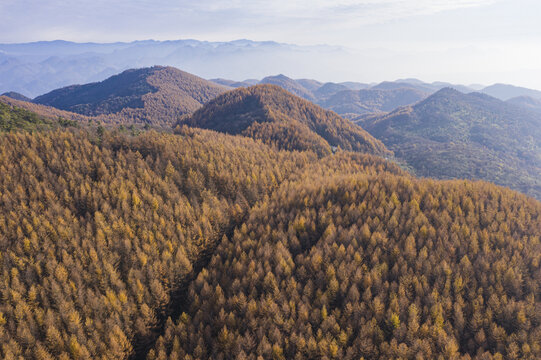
x: 474, y: 136
x: 37, y: 68
x: 290, y: 85
x: 351, y: 99
x: 348, y: 98
x: 505, y: 92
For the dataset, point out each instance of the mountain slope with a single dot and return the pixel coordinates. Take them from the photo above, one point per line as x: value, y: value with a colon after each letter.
x: 453, y: 135
x: 352, y: 85
x: 45, y: 111
x: 309, y: 84
x: 393, y: 85
x: 423, y: 86
x: 269, y: 113
x: 18, y: 118
x: 156, y: 95
x: 24, y: 115
x: 235, y: 84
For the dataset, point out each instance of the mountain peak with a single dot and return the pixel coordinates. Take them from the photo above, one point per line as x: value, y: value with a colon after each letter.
x: 137, y: 94
x: 289, y: 85
x: 16, y: 96
x: 271, y: 114
x: 446, y: 92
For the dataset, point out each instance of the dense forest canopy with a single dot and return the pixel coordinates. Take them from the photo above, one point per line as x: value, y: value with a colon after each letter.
x: 97, y: 232
x: 370, y: 264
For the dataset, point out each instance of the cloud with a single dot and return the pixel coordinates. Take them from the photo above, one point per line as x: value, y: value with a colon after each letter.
x: 363, y: 10
x: 96, y: 19
x: 367, y: 11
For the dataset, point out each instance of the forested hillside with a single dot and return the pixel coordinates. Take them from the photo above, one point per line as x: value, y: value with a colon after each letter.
x: 44, y: 111
x: 157, y: 95
x: 18, y: 118
x: 361, y: 261
x: 271, y: 114
x: 473, y: 136
x: 98, y: 232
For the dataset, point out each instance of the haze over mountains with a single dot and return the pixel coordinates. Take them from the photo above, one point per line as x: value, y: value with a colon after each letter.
x: 351, y: 99
x: 33, y: 69
x: 506, y: 92
x: 526, y: 101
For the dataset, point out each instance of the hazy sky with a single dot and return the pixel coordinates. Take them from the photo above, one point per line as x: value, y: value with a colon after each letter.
x: 454, y: 40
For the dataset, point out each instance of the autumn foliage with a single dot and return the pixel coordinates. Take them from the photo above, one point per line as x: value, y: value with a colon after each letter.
x: 263, y: 243
x: 370, y: 264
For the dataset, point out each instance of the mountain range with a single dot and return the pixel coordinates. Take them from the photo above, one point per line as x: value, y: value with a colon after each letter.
x: 251, y: 223
x: 33, y: 69
x: 443, y: 134
x: 472, y: 136
x: 351, y: 99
